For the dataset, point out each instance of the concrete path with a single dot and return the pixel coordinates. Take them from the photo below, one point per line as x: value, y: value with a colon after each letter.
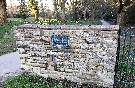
x: 104, y: 22
x: 9, y: 66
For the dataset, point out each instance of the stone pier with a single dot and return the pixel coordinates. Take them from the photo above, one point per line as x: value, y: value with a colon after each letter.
x: 80, y: 53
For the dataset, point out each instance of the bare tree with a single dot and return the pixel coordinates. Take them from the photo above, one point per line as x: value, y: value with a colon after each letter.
x: 11, y: 9
x: 122, y: 9
x: 61, y: 4
x: 74, y: 3
x: 55, y: 3
x: 85, y: 4
x: 94, y: 4
x: 91, y: 5
x: 63, y: 11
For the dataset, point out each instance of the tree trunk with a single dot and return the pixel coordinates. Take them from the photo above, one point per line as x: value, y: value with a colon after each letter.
x: 75, y: 11
x: 63, y: 12
x: 11, y: 12
x: 93, y: 15
x: 4, y: 12
x: 85, y: 13
x: 55, y: 10
x: 56, y: 15
x: 121, y: 14
x: 121, y: 19
x: 36, y: 15
x: 70, y: 8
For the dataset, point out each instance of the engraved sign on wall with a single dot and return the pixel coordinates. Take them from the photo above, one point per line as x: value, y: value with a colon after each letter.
x: 60, y: 40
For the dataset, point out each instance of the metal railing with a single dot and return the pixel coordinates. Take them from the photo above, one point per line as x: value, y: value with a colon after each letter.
x: 124, y: 66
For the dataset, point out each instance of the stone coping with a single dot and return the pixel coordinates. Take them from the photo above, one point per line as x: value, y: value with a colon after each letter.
x: 69, y: 27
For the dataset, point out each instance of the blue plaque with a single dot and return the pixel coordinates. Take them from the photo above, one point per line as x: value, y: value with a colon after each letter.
x: 60, y: 40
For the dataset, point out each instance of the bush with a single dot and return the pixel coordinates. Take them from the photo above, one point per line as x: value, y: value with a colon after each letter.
x: 109, y: 17
x: 24, y: 10
x: 32, y: 15
x: 106, y: 16
x: 16, y: 15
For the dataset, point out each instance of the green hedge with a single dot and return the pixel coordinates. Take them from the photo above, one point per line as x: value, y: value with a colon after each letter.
x: 16, y: 15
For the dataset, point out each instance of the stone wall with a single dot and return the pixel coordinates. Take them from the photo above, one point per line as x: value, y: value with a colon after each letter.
x: 89, y: 57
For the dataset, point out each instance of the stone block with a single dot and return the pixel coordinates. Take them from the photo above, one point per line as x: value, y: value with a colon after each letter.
x: 36, y: 43
x: 21, y: 50
x: 76, y: 46
x: 61, y: 69
x: 81, y: 76
x: 91, y: 40
x: 110, y: 52
x: 44, y: 75
x: 82, y: 56
x: 109, y: 66
x: 26, y: 50
x: 76, y: 79
x: 27, y: 67
x: 57, y: 61
x: 22, y: 61
x: 66, y: 56
x: 69, y: 65
x: 36, y: 64
x: 86, y: 34
x: 50, y: 67
x: 83, y: 52
x: 33, y: 47
x: 36, y: 69
x: 23, y: 55
x: 42, y: 70
x: 108, y: 59
x: 31, y: 61
x: 22, y: 44
x: 28, y: 39
x: 79, y: 66
x: 79, y: 34
x: 45, y: 39
x: 36, y: 33
x: 92, y: 55
x: 110, y: 43
x: 29, y: 35
x: 71, y: 71
x: 35, y: 40
x: 40, y: 54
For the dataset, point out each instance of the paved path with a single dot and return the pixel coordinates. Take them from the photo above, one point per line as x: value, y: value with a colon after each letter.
x: 104, y: 22
x: 9, y: 66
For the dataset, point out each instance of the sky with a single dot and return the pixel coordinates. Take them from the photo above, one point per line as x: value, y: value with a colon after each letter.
x: 48, y: 2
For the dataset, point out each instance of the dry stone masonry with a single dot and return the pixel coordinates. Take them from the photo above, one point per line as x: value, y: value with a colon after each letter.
x: 80, y: 53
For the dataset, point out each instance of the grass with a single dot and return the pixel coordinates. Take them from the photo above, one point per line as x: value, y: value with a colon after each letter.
x: 58, y: 22
x: 7, y: 40
x: 29, y: 82
x: 25, y: 81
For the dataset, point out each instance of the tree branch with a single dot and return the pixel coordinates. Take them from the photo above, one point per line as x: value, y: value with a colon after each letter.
x: 120, y: 7
x: 129, y: 6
